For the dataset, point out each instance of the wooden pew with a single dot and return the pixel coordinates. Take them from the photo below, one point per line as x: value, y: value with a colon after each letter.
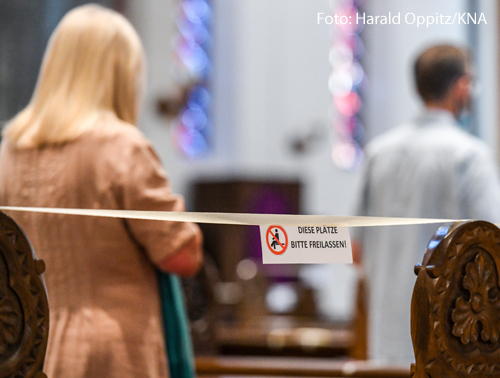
x: 455, y: 315
x: 456, y: 304
x: 295, y: 367
x: 24, y: 310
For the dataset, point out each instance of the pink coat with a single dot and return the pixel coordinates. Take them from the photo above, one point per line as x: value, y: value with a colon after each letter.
x: 101, y: 280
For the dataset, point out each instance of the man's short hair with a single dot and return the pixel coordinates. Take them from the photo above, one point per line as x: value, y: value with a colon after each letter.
x: 437, y: 69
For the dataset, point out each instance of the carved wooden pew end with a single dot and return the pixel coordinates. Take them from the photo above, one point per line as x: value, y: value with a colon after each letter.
x: 455, y: 306
x: 24, y: 309
x: 455, y: 310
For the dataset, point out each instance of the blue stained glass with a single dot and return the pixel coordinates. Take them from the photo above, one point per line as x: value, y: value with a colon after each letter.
x: 193, y: 32
x: 196, y: 10
x: 194, y: 117
x: 191, y: 134
x: 200, y: 96
x: 193, y: 143
x: 194, y: 58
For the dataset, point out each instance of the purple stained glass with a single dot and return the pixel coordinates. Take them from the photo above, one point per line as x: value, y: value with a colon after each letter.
x: 345, y: 84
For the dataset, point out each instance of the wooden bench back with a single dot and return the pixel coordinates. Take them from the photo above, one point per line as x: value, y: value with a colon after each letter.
x: 24, y: 310
x: 456, y: 304
x: 455, y: 308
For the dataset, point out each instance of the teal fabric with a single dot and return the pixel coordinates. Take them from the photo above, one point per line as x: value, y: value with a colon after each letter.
x: 175, y: 324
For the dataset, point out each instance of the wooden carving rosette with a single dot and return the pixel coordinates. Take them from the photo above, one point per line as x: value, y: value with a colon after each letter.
x: 455, y: 310
x: 24, y: 310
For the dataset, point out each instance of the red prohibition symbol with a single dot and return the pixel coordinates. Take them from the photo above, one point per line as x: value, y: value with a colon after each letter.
x: 277, y: 239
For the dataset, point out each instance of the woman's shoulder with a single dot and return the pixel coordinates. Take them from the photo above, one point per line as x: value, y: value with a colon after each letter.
x: 116, y: 132
x: 114, y: 139
x: 115, y: 149
x: 113, y: 143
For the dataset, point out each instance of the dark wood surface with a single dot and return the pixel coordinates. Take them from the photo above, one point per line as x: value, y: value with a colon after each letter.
x: 456, y: 304
x: 283, y: 336
x: 24, y: 310
x: 295, y: 367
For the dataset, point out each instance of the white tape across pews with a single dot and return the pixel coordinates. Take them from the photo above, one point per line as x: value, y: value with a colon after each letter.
x: 243, y: 219
x: 285, y: 239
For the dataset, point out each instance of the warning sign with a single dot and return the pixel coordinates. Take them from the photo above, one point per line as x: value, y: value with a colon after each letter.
x: 305, y: 244
x: 277, y: 239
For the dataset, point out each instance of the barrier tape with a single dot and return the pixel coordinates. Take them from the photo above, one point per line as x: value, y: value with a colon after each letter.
x: 244, y: 219
x: 285, y: 239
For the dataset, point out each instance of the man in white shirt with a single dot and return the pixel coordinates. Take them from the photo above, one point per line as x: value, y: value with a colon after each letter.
x: 428, y: 168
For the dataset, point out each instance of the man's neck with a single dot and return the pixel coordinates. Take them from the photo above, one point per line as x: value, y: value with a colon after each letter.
x: 449, y: 106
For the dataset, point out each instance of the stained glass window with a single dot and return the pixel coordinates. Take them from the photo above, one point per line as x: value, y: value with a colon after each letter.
x: 345, y: 81
x: 191, y: 129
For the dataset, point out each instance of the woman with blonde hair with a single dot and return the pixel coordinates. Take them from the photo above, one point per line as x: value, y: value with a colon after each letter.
x: 75, y: 146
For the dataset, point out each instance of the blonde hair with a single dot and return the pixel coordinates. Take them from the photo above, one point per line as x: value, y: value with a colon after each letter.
x: 93, y: 67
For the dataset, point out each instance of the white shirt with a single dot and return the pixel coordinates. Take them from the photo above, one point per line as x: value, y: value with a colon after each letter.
x: 428, y: 168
